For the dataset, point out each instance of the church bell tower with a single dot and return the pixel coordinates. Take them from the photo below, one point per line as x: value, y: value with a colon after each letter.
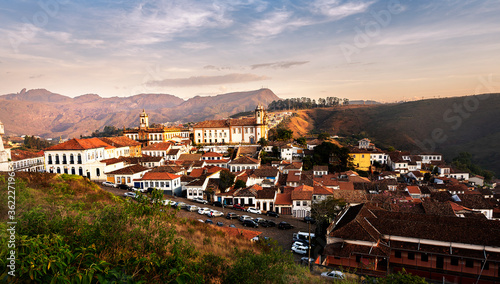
x: 143, y: 120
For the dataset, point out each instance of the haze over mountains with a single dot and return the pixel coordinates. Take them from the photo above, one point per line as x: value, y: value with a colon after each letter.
x: 41, y: 112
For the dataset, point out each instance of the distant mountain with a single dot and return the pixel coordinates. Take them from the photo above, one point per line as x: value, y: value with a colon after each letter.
x: 41, y: 112
x: 361, y: 102
x: 449, y: 126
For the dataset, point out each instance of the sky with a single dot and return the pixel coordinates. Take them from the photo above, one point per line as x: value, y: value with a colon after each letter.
x: 366, y: 49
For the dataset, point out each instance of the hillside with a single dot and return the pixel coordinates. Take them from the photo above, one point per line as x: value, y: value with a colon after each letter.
x: 69, y: 230
x: 40, y: 112
x: 457, y: 124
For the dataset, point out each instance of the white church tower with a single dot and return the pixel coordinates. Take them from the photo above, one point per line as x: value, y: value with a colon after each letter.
x: 4, y: 153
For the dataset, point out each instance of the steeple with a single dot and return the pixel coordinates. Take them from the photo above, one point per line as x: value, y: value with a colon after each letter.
x: 260, y: 115
x: 143, y: 120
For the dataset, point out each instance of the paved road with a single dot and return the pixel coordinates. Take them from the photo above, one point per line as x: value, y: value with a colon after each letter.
x: 283, y: 237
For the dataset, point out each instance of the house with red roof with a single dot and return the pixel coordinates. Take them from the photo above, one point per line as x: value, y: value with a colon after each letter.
x: 26, y: 161
x: 301, y: 201
x: 283, y: 203
x: 127, y: 175
x: 169, y: 183
x: 79, y: 157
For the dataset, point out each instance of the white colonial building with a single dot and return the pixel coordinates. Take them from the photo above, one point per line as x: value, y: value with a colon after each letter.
x: 79, y: 157
x: 243, y: 130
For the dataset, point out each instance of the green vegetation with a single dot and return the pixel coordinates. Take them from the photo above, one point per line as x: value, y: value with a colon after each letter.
x: 108, y: 131
x: 70, y: 231
x: 226, y: 180
x: 325, y: 212
x: 337, y: 158
x: 283, y: 134
x: 464, y: 162
x: 33, y: 143
x: 306, y: 103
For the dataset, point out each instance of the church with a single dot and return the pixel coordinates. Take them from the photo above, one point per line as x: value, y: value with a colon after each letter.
x: 150, y: 135
x: 229, y: 131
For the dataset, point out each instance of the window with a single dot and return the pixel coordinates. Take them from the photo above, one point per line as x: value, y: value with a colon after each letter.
x: 304, y: 203
x: 411, y: 255
x: 424, y: 257
x: 362, y: 156
x: 297, y: 203
x: 469, y: 263
x: 454, y: 261
x: 354, y: 156
x: 358, y: 258
x: 128, y: 179
x: 397, y: 254
x: 190, y: 192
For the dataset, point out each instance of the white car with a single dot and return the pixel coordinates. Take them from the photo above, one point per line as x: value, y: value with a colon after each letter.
x: 168, y: 202
x: 192, y: 208
x: 301, y: 247
x: 200, y: 200
x: 214, y: 213
x: 107, y: 183
x: 203, y: 211
x: 334, y: 274
x: 254, y: 210
x: 299, y: 250
x: 130, y: 194
x: 143, y: 190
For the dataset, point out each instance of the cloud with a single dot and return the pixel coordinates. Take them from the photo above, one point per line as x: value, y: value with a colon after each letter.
x: 277, y: 22
x: 279, y: 65
x: 208, y: 80
x: 217, y: 68
x: 336, y: 9
x: 36, y: 76
x: 196, y: 45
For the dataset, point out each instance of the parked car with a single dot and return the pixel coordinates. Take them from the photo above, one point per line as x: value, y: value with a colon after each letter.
x: 250, y: 223
x: 167, y: 202
x: 244, y: 217
x: 150, y: 189
x: 267, y: 223
x: 239, y: 207
x: 217, y: 204
x: 306, y: 259
x: 285, y: 226
x: 232, y: 215
x: 299, y: 250
x: 299, y: 246
x: 334, y: 274
x: 203, y: 211
x: 254, y: 210
x: 214, y: 213
x: 208, y: 221
x: 272, y: 214
x: 200, y: 200
x: 107, y: 183
x: 232, y: 226
x: 130, y: 194
x: 220, y: 224
x: 180, y: 205
x: 143, y: 190
x: 123, y: 186
x: 308, y: 220
x: 192, y: 208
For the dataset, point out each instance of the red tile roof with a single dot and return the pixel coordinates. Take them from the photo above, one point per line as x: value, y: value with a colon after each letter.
x: 346, y: 185
x: 301, y: 195
x: 111, y: 161
x: 196, y: 172
x: 413, y: 189
x: 130, y: 170
x: 18, y: 155
x: 120, y: 141
x: 80, y: 144
x: 226, y: 123
x: 162, y: 146
x: 283, y: 199
x: 159, y: 176
x: 244, y: 161
x: 212, y: 154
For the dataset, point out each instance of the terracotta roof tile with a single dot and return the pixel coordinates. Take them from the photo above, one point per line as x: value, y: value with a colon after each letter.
x: 17, y: 155
x: 244, y: 161
x: 159, y: 176
x: 80, y: 144
x: 283, y: 199
x: 162, y: 146
x: 189, y: 157
x: 130, y: 170
x: 120, y: 141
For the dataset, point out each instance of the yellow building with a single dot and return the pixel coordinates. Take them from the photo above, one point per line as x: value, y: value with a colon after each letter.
x: 360, y: 158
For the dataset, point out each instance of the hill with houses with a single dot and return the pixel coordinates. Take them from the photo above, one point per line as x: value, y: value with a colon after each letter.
x: 41, y: 112
x: 447, y: 125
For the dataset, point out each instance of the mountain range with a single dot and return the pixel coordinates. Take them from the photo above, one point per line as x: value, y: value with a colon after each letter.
x: 41, y: 112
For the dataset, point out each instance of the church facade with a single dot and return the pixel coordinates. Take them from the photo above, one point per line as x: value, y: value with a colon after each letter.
x: 150, y: 135
x: 230, y: 131
x: 5, y: 156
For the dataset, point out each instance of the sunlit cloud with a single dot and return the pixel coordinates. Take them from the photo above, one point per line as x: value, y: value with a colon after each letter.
x: 208, y: 80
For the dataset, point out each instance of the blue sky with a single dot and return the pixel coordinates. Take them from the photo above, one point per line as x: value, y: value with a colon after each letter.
x: 366, y: 49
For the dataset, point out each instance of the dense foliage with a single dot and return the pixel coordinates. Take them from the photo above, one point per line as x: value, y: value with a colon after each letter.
x: 70, y: 231
x: 337, y: 158
x: 34, y: 143
x: 108, y: 131
x: 306, y: 103
x: 464, y: 162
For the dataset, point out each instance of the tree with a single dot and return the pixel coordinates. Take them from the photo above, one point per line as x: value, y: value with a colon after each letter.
x: 330, y: 154
x: 263, y: 142
x: 226, y: 180
x: 240, y: 184
x: 301, y: 140
x: 323, y: 136
x: 402, y: 277
x: 283, y: 134
x: 325, y: 212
